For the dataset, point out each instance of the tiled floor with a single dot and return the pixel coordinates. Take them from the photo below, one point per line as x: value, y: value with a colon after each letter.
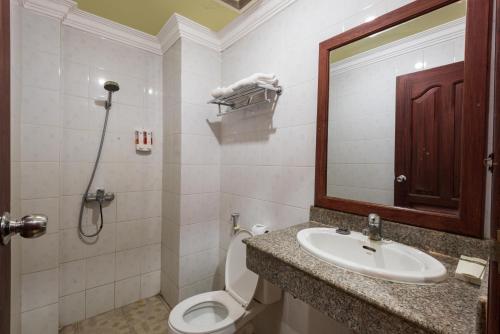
x: 147, y: 316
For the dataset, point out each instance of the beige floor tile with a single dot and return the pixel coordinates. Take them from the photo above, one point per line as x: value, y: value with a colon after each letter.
x: 112, y: 322
x: 146, y: 327
x: 148, y: 316
x: 152, y: 310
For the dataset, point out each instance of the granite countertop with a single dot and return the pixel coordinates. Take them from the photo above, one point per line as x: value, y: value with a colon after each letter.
x: 451, y: 306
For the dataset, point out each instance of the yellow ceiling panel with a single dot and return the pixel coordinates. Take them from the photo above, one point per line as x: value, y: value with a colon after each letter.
x: 150, y: 15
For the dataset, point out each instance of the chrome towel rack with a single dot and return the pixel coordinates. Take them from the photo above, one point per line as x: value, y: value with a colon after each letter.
x: 246, y: 97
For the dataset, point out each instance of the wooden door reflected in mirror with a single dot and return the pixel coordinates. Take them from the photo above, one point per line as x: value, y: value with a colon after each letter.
x: 429, y: 107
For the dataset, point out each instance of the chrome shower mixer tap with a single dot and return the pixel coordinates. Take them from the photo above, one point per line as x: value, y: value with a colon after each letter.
x: 99, y: 196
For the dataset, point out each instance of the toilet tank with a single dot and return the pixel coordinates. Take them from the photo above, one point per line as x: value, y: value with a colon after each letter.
x: 267, y: 293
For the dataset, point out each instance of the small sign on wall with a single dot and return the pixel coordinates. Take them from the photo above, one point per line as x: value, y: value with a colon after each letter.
x: 143, y: 140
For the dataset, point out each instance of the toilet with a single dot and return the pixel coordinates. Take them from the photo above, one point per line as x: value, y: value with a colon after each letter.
x: 230, y: 310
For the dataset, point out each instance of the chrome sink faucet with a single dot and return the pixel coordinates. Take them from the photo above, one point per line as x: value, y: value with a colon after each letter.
x: 374, y: 230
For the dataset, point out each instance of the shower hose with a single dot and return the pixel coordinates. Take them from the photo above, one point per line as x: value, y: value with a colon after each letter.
x: 84, y: 198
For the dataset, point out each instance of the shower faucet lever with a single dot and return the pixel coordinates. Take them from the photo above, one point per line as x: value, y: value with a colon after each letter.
x: 100, y: 196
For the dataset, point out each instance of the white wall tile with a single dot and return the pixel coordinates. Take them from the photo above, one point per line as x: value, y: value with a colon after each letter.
x: 78, y: 46
x: 196, y: 288
x: 128, y: 263
x: 100, y: 270
x: 72, y: 308
x: 195, y: 267
x: 198, y: 237
x: 198, y: 208
x: 71, y: 277
x: 79, y: 145
x: 129, y: 206
x: 72, y: 248
x: 99, y: 300
x: 152, y: 204
x: 39, y: 289
x: 129, y: 235
x: 75, y: 176
x: 104, y: 243
x: 39, y: 180
x: 153, y: 177
x: 43, y: 320
x: 127, y: 291
x: 41, y: 69
x: 69, y: 211
x: 41, y: 33
x: 151, y: 258
x: 40, y: 143
x: 76, y: 79
x: 197, y: 179
x: 40, y: 253
x: 151, y: 229
x: 439, y: 55
x: 150, y: 284
x: 40, y: 106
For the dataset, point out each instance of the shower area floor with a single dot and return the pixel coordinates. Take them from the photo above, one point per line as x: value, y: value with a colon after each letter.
x: 148, y: 316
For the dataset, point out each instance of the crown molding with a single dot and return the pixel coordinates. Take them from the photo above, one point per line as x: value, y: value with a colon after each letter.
x: 424, y: 39
x: 253, y: 16
x: 67, y: 12
x: 257, y: 14
x: 179, y: 26
x: 53, y: 8
x: 118, y: 32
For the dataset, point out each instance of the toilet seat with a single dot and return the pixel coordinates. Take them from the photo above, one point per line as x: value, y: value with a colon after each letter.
x: 216, y: 312
x: 181, y: 321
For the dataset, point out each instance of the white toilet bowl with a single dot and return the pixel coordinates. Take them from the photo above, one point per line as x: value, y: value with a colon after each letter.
x: 225, y: 311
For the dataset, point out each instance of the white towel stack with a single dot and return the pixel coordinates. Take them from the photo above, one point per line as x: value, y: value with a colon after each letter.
x: 257, y: 78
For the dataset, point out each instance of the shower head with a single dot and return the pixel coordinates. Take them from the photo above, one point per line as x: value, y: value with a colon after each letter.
x: 111, y: 86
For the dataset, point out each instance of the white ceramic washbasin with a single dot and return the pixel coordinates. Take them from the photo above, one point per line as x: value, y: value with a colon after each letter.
x: 381, y: 259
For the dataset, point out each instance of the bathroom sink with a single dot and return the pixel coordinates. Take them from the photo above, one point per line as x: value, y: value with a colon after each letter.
x: 381, y: 259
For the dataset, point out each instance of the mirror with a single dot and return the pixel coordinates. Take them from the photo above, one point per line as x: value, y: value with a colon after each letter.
x: 403, y: 114
x: 394, y: 113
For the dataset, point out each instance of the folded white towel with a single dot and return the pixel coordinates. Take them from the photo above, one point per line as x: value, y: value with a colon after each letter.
x: 221, y: 91
x: 257, y: 78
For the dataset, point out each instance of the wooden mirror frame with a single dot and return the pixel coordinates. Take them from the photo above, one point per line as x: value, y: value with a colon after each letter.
x: 470, y: 218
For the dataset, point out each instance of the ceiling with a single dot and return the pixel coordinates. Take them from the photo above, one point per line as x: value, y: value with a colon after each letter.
x: 149, y: 16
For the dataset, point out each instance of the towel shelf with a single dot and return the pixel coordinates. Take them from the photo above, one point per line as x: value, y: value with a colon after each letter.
x: 246, y: 97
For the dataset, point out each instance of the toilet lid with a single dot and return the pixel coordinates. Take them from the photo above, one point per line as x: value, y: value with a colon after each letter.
x: 240, y: 282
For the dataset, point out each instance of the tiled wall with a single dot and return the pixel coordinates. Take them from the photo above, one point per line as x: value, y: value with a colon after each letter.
x: 191, y: 178
x: 267, y: 158
x: 65, y: 279
x: 40, y: 140
x: 362, y: 116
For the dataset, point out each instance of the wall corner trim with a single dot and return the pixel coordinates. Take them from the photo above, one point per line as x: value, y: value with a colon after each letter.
x: 53, y: 8
x: 251, y: 19
x: 179, y: 26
